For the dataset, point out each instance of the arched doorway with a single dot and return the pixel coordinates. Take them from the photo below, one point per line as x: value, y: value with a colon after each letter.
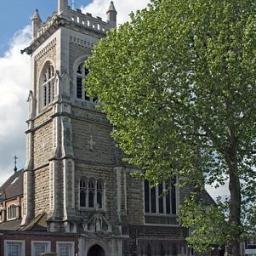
x: 96, y: 250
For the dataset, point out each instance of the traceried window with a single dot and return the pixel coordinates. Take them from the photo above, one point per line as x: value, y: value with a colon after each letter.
x: 160, y: 199
x: 99, y: 194
x: 81, y: 92
x: 47, y: 84
x: 91, y: 193
x: 83, y: 193
x: 12, y: 212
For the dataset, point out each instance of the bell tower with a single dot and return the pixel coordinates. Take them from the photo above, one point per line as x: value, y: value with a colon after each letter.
x: 68, y: 140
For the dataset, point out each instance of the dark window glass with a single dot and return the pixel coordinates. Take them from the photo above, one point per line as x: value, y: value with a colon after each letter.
x: 49, y: 92
x: 91, y: 198
x: 146, y: 196
x: 86, y: 72
x: 85, y: 96
x: 99, y: 194
x: 45, y: 95
x: 168, y: 198
x: 79, y: 85
x: 153, y: 200
x: 162, y: 250
x: 99, y: 199
x: 83, y: 199
x: 160, y: 199
x: 173, y: 196
x: 149, y: 253
x: 79, y: 70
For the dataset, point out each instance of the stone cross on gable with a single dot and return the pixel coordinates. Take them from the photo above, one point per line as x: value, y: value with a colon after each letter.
x: 15, y: 163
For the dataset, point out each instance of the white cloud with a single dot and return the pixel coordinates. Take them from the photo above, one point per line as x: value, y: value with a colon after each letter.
x: 124, y: 8
x: 14, y: 86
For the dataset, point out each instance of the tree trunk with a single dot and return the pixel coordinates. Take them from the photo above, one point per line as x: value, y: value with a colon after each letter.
x: 235, y: 199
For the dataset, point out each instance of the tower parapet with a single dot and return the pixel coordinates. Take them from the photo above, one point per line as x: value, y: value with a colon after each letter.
x: 69, y: 18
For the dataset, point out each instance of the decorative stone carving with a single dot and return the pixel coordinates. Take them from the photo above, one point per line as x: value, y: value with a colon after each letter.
x: 97, y: 223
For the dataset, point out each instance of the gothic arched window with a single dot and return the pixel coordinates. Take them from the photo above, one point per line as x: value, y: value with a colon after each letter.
x: 91, y: 187
x: 47, y: 84
x: 91, y: 193
x: 160, y: 199
x: 100, y: 194
x: 83, y: 193
x: 81, y: 73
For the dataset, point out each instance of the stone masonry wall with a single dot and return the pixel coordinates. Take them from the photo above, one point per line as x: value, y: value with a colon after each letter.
x: 43, y: 141
x: 42, y: 190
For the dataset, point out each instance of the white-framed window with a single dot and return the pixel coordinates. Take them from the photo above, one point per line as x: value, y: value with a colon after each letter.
x: 65, y: 248
x: 14, y: 248
x: 39, y: 247
x: 81, y: 93
x: 91, y: 193
x: 47, y: 81
x: 160, y: 199
x: 12, y: 212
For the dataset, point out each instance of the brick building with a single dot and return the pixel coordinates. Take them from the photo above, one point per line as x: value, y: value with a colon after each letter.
x: 78, y: 198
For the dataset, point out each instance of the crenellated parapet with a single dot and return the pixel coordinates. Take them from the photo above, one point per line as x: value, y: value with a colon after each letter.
x: 74, y: 19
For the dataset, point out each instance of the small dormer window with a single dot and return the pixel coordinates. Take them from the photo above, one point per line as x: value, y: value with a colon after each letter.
x: 12, y: 212
x: 47, y: 84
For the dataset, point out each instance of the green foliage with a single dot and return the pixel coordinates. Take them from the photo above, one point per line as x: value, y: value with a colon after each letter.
x: 207, y: 225
x: 178, y: 83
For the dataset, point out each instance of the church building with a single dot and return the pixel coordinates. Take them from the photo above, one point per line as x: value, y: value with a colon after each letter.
x: 79, y: 198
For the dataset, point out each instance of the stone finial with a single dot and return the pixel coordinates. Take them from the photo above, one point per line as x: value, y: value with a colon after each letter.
x: 62, y: 5
x: 36, y: 22
x: 112, y: 14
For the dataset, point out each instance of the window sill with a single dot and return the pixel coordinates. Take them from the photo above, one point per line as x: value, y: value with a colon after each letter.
x: 12, y: 219
x: 160, y: 215
x: 85, y: 209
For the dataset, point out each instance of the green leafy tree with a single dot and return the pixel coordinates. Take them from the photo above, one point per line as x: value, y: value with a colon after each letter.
x: 178, y: 83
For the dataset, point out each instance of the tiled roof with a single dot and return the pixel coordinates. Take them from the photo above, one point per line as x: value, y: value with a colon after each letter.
x: 11, y: 225
x: 13, y: 187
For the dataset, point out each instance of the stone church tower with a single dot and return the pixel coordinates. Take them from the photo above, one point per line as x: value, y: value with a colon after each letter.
x: 73, y: 172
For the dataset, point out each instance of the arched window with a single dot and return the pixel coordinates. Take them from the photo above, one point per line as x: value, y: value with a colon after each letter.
x: 160, y: 199
x: 91, y: 193
x: 47, y: 84
x: 91, y: 186
x: 100, y: 194
x: 83, y: 193
x: 81, y: 73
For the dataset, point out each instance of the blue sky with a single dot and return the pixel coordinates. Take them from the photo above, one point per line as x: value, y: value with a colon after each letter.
x: 15, y: 14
